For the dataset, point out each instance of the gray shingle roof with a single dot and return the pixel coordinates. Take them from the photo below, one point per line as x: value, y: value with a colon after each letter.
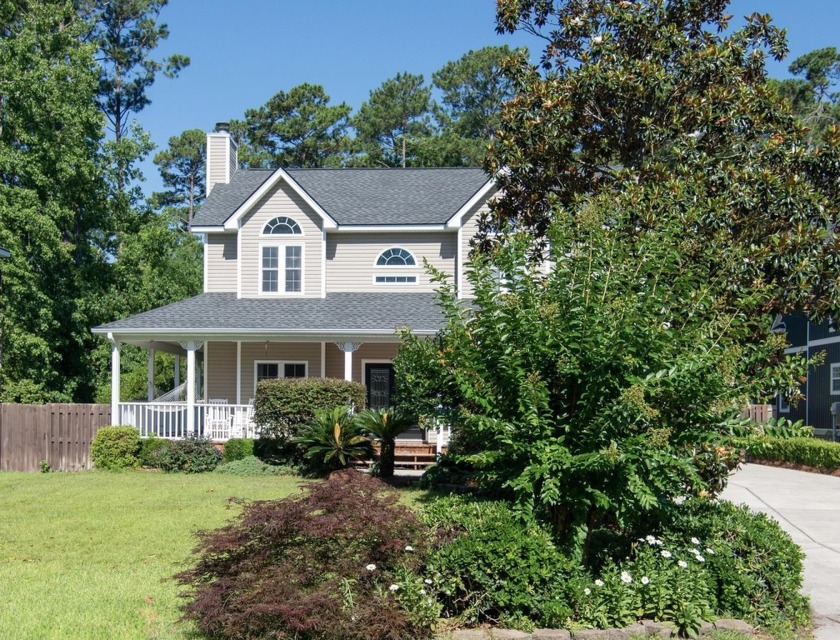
x: 338, y: 313
x: 224, y: 199
x: 390, y: 196
x: 360, y: 196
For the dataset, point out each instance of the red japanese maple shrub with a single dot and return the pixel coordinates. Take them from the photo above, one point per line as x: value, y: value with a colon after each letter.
x: 321, y: 565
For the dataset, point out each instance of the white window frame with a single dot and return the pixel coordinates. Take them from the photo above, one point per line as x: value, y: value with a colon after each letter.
x: 281, y: 369
x: 784, y: 407
x: 395, y: 266
x: 397, y: 270
x: 263, y: 234
x: 395, y: 275
x: 835, y: 367
x: 281, y: 260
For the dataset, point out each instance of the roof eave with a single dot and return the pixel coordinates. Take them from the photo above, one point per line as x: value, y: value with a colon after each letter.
x: 232, y: 223
x: 456, y: 220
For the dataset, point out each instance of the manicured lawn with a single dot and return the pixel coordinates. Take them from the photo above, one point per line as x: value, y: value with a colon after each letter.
x: 89, y: 555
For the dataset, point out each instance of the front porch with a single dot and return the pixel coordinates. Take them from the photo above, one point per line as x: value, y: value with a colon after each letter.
x: 221, y: 422
x: 229, y: 344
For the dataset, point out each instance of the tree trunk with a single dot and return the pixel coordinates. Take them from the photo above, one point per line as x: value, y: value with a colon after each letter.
x: 386, y: 459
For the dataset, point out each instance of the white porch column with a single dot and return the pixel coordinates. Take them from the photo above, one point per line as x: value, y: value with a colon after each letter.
x: 190, y: 347
x: 150, y: 376
x: 323, y: 359
x: 348, y: 348
x: 177, y: 370
x: 115, y: 381
x: 238, y: 372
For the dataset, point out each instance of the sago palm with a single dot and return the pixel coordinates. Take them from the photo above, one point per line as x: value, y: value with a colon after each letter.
x: 385, y: 425
x: 334, y: 440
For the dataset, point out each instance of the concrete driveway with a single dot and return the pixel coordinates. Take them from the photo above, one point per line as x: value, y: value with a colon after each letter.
x: 807, y: 505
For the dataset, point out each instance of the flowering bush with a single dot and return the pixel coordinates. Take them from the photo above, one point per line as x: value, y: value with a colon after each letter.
x: 494, y: 567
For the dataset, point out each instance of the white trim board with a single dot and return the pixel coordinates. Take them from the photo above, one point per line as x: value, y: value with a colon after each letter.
x: 233, y: 221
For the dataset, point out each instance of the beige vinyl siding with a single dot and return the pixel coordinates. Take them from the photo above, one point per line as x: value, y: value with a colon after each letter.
x: 468, y: 231
x: 309, y: 352
x: 368, y: 351
x: 281, y: 201
x: 217, y: 161
x: 221, y: 371
x: 351, y: 259
x: 221, y: 263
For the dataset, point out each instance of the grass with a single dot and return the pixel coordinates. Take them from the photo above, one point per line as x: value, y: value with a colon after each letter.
x: 90, y: 555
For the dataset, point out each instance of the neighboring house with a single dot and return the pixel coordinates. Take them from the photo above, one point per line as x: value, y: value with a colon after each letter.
x: 822, y: 385
x: 307, y: 272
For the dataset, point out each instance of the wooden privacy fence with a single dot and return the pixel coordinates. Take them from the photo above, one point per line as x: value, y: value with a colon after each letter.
x: 60, y: 434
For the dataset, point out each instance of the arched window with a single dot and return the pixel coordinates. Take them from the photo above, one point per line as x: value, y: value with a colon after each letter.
x: 282, y: 226
x: 395, y: 257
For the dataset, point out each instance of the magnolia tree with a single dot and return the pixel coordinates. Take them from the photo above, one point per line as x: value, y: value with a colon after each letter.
x: 674, y: 200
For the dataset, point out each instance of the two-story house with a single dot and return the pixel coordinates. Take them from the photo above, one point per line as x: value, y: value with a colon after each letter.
x: 307, y: 272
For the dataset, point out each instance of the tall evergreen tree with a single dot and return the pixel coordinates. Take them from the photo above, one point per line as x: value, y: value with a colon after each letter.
x: 51, y: 201
x: 295, y: 129
x: 183, y: 168
x: 473, y: 89
x: 814, y: 94
x: 396, y: 115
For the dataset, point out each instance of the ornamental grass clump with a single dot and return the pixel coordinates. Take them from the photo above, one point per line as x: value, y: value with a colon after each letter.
x: 338, y: 562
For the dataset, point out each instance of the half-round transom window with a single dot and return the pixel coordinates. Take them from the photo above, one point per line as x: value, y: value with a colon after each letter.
x: 282, y: 226
x: 395, y: 257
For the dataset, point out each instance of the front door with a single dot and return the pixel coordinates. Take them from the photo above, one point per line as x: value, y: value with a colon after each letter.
x: 379, y: 380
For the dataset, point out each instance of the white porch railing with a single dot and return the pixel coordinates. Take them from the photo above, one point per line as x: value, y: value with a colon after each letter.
x: 218, y: 422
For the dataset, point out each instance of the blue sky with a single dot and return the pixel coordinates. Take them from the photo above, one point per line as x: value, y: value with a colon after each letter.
x: 244, y: 52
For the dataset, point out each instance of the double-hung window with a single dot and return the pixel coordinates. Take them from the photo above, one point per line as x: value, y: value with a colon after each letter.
x: 281, y: 269
x: 264, y: 370
x: 835, y: 378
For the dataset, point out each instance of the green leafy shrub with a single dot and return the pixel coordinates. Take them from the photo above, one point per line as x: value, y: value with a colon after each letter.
x: 190, y: 455
x: 238, y: 448
x: 334, y: 440
x: 251, y: 466
x: 808, y: 451
x: 754, y: 568
x: 152, y: 450
x: 310, y: 566
x: 493, y: 566
x: 283, y: 407
x: 115, y: 448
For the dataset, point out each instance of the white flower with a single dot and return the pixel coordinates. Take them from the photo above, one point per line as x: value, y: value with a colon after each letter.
x: 695, y: 541
x: 645, y: 580
x: 651, y: 540
x: 683, y: 564
x: 408, y: 547
x: 422, y: 592
x: 587, y: 591
x: 699, y: 558
x: 371, y: 567
x: 428, y: 581
x: 710, y: 551
x: 394, y: 587
x: 665, y: 553
x: 626, y: 578
x: 576, y: 22
x: 666, y: 325
x: 599, y: 583
x: 679, y: 499
x: 694, y: 552
x: 597, y: 39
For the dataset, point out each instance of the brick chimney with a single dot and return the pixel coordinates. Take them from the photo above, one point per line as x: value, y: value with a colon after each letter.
x: 222, y: 156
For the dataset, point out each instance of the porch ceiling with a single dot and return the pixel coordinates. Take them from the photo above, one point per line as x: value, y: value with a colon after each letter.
x: 338, y: 317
